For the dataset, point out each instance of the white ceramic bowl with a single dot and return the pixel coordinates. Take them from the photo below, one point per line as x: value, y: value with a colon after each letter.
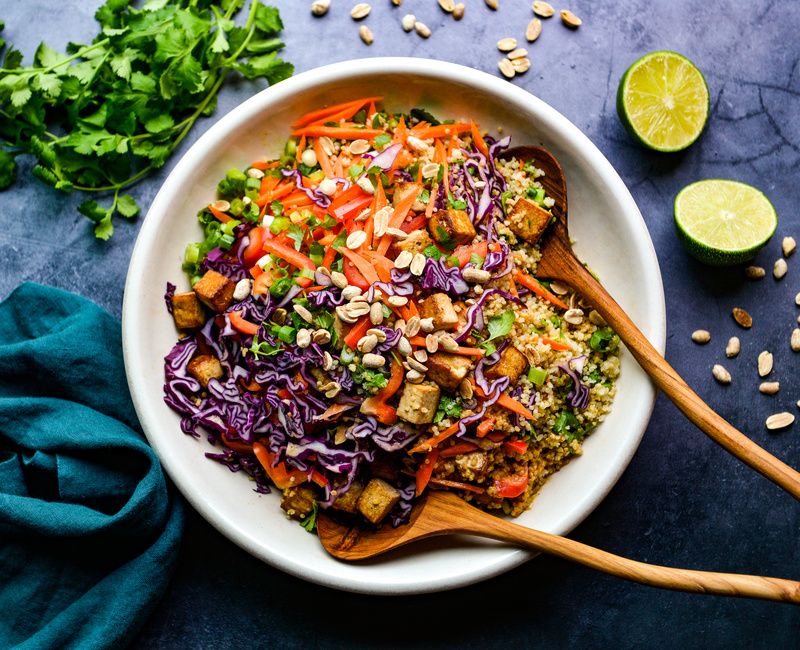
x: 611, y: 236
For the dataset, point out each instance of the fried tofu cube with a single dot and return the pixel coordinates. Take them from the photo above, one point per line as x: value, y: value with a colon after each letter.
x: 377, y: 500
x: 348, y: 502
x: 473, y: 465
x: 204, y: 368
x: 215, y: 290
x: 187, y: 311
x: 451, y: 227
x: 298, y: 502
x: 416, y: 242
x: 528, y: 220
x: 418, y: 403
x: 439, y: 307
x: 512, y: 364
x: 447, y: 370
x: 401, y: 192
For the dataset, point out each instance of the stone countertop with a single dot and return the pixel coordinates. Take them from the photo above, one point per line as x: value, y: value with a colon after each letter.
x: 682, y: 501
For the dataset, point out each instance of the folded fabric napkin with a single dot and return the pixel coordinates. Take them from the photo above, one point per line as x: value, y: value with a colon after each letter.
x: 89, y: 531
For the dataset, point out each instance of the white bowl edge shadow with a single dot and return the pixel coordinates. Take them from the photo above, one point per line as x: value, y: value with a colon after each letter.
x: 601, y: 211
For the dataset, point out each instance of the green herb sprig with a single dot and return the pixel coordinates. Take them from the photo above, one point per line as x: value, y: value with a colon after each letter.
x: 102, y: 116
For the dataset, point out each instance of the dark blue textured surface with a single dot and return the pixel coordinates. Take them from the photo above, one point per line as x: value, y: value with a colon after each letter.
x: 683, y: 501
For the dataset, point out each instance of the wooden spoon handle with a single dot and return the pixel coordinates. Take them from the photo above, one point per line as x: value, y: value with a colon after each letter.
x: 668, y: 380
x: 704, y: 582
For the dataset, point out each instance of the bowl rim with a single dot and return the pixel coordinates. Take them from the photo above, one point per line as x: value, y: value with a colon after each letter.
x: 247, y: 110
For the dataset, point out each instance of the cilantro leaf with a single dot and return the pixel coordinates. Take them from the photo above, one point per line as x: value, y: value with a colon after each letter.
x: 126, y: 206
x: 8, y: 169
x: 501, y: 325
x: 310, y: 520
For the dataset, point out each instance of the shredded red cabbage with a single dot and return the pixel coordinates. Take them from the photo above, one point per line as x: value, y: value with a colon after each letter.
x: 437, y: 276
x: 578, y: 397
x: 317, y: 197
x: 168, y: 294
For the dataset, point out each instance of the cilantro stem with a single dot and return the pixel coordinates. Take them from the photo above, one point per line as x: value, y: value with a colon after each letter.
x: 77, y: 55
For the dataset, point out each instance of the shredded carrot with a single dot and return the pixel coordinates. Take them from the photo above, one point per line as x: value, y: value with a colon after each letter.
x: 505, y: 401
x: 363, y: 266
x: 301, y: 147
x: 322, y: 158
x: 339, y: 133
x: 264, y: 165
x: 358, y: 330
x: 430, y: 443
x: 327, y: 260
x: 534, y: 285
x: 485, y: 427
x: 556, y: 345
x: 398, y: 217
x: 457, y: 485
x: 328, y: 239
x: 441, y: 131
x: 219, y: 214
x: 400, y: 131
x: 268, y: 183
x: 477, y: 138
x: 322, y: 113
x: 431, y: 201
x: 458, y: 449
x: 425, y: 470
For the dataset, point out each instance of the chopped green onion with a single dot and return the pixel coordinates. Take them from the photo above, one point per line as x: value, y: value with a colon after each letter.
x: 537, y: 376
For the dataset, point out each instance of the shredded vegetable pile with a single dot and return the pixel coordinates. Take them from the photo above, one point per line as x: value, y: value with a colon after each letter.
x: 364, y: 323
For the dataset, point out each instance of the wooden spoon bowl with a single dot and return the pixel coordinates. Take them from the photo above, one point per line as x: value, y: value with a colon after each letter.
x: 444, y: 513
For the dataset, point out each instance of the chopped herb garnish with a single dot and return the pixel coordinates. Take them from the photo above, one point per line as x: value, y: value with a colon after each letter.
x: 501, y: 325
x: 355, y: 171
x: 433, y: 252
x: 262, y: 348
x: 567, y: 425
x: 603, y: 340
x: 421, y: 115
x: 382, y: 140
x: 449, y: 407
x: 309, y: 522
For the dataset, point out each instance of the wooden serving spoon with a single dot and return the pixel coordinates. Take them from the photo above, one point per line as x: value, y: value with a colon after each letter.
x: 444, y: 513
x: 559, y: 262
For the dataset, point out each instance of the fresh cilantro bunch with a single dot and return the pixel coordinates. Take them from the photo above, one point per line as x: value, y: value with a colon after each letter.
x: 104, y: 115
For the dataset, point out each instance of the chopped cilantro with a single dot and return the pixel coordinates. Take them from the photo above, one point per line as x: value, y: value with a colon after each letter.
x: 449, y: 407
x: 432, y: 251
x: 568, y: 426
x: 421, y: 115
x: 370, y: 380
x: 309, y: 522
x: 382, y: 140
x: 456, y: 204
x: 355, y: 171
x: 604, y: 340
x: 296, y: 234
x: 501, y: 325
x: 262, y: 348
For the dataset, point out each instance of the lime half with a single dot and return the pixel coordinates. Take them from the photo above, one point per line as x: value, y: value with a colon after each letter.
x: 662, y: 101
x: 723, y: 222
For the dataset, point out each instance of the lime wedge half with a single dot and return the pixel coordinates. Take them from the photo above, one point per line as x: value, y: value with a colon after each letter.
x: 723, y: 222
x: 662, y: 101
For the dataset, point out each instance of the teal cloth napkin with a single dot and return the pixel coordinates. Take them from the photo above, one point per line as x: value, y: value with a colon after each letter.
x: 89, y: 531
